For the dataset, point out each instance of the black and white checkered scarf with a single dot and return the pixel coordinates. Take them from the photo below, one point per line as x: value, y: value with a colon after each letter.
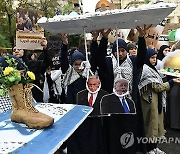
x: 125, y: 70
x: 70, y: 76
x: 148, y: 77
x: 5, y: 104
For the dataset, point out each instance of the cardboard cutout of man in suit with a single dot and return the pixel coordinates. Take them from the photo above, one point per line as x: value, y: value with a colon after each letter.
x: 118, y: 102
x: 119, y: 123
x: 92, y: 93
x: 88, y: 138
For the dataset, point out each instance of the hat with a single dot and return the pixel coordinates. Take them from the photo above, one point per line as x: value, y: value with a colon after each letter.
x: 121, y: 44
x: 77, y: 56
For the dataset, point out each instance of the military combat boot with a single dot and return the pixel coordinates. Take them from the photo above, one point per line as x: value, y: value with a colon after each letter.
x: 23, y: 111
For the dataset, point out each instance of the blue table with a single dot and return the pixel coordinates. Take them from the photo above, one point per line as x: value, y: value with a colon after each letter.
x: 17, y: 138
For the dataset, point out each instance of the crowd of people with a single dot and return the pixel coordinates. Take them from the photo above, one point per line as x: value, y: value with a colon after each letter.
x: 124, y: 87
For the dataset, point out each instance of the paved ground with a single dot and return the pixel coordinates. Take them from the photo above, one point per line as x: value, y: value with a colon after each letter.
x: 171, y: 148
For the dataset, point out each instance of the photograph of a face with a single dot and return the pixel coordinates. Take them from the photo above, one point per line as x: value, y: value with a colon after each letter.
x: 121, y: 87
x: 93, y: 84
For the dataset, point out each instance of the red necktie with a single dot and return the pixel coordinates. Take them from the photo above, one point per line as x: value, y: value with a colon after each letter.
x: 90, y: 100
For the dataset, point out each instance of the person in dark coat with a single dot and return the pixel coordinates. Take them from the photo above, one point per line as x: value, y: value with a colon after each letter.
x: 132, y: 67
x: 55, y: 58
x: 74, y: 82
x: 174, y: 107
x: 75, y: 77
x: 174, y: 100
x: 88, y: 138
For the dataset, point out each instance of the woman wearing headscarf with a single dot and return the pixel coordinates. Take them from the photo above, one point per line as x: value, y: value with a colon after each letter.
x: 75, y: 77
x: 164, y: 49
x: 153, y: 99
x: 75, y: 81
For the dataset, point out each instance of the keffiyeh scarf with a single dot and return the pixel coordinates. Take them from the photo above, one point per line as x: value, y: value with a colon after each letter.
x: 70, y: 76
x: 57, y: 88
x: 5, y: 104
x: 125, y: 70
x: 150, y: 76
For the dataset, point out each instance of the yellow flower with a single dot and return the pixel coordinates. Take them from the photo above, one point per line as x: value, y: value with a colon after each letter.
x: 8, y: 70
x: 31, y: 75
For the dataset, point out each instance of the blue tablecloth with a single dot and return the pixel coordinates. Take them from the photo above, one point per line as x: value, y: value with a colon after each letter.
x: 13, y: 135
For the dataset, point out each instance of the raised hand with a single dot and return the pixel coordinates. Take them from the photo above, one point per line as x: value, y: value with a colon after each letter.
x: 64, y: 38
x: 95, y: 34
x: 142, y: 31
x: 105, y: 33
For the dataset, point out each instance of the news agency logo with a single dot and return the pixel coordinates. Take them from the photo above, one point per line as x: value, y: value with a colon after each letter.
x: 159, y: 140
x: 128, y: 139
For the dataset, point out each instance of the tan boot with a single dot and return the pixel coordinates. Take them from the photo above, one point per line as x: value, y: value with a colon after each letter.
x: 23, y: 110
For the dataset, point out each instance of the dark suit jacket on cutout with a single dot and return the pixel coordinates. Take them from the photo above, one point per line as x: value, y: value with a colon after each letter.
x: 82, y: 99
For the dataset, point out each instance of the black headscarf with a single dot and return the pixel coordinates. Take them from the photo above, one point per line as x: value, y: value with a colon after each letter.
x: 150, y: 53
x: 160, y: 54
x: 121, y: 44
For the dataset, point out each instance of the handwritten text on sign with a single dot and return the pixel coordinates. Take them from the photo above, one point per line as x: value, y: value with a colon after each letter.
x: 29, y: 40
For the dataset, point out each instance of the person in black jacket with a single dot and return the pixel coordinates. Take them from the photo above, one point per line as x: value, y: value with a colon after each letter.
x: 54, y: 58
x: 129, y: 67
x: 75, y: 81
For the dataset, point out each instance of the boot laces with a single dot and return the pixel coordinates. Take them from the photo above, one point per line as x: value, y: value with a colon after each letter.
x: 28, y: 96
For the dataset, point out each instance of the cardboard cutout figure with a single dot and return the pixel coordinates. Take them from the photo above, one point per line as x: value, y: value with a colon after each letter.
x: 118, y: 102
x: 88, y: 138
x: 92, y: 95
x: 120, y: 125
